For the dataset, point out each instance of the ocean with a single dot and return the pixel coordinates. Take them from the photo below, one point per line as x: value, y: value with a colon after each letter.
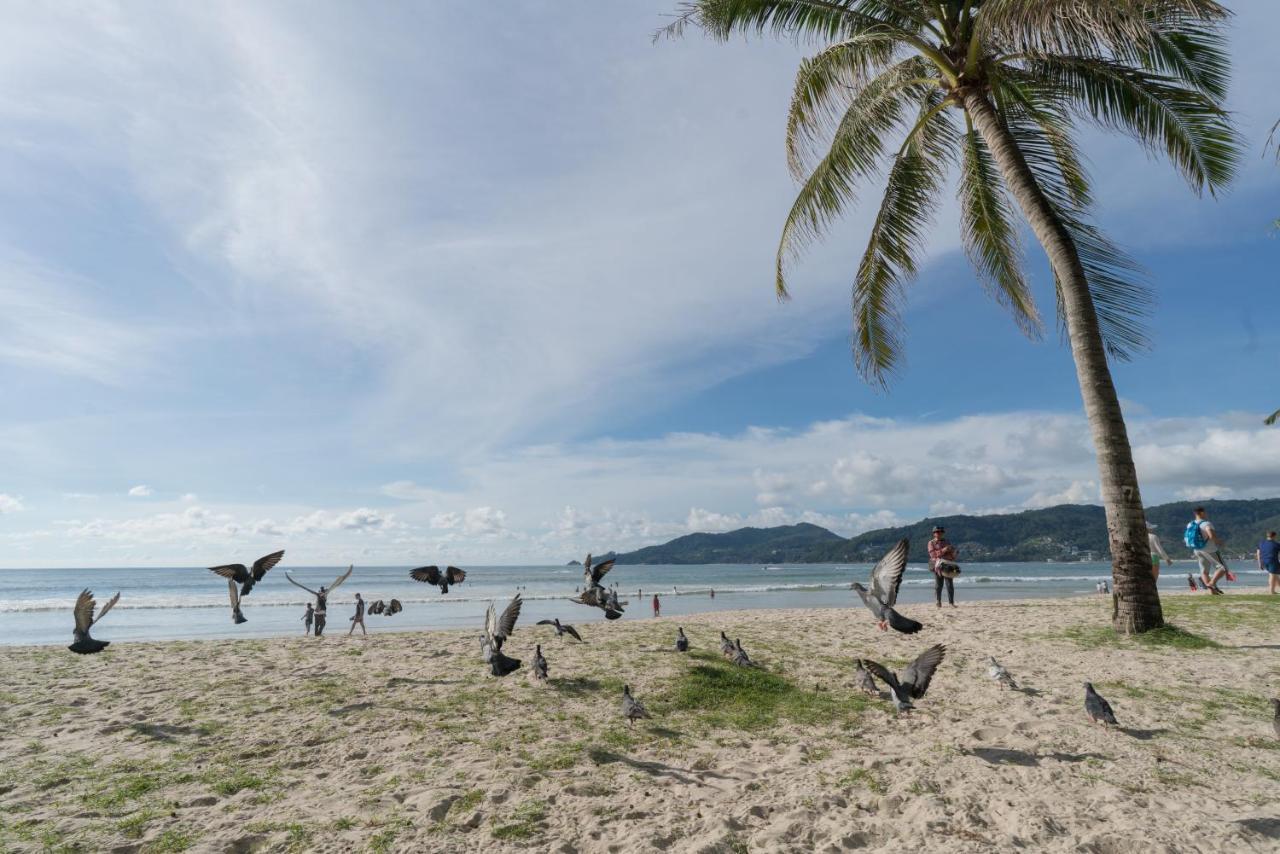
x: 185, y: 603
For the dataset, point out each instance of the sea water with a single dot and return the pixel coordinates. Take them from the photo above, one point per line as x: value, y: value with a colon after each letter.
x: 175, y: 603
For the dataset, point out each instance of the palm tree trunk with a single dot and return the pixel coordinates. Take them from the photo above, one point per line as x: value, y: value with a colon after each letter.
x: 1136, y: 602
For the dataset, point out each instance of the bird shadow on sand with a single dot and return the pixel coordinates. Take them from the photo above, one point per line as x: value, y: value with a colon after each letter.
x: 1268, y: 827
x: 1030, y: 692
x: 1009, y: 756
x: 578, y: 686
x: 162, y: 732
x: 1256, y: 646
x: 1142, y: 734
x: 600, y: 756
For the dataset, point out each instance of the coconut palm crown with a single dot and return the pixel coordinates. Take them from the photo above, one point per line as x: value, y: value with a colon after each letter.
x: 904, y: 91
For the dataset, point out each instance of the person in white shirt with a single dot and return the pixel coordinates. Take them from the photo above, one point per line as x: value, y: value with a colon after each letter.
x: 1157, y: 552
x: 1210, y: 554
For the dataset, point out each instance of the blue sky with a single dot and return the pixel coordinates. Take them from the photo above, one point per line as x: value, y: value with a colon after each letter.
x: 494, y: 285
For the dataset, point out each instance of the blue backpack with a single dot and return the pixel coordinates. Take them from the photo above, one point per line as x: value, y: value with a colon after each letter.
x: 1193, y: 536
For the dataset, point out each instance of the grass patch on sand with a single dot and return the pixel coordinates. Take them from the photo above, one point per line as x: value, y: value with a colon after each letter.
x: 863, y: 778
x: 1168, y: 637
x: 1250, y: 611
x: 525, y: 822
x: 725, y: 696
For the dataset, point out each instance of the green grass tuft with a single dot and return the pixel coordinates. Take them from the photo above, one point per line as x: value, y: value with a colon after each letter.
x: 526, y: 821
x: 1169, y: 636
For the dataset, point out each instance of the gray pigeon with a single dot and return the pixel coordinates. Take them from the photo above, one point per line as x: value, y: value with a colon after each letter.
x: 85, y: 605
x: 1275, y: 721
x: 245, y: 576
x: 997, y: 672
x: 682, y: 642
x: 740, y: 656
x: 562, y: 628
x: 1097, y: 708
x: 632, y: 709
x: 496, y: 631
x: 432, y: 575
x: 594, y: 593
x: 726, y: 646
x: 886, y: 578
x: 539, y: 663
x: 915, y: 678
x: 862, y: 678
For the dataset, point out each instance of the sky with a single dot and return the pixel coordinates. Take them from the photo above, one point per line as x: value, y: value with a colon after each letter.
x: 492, y: 284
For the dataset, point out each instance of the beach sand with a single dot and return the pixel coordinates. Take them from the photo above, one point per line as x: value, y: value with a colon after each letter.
x: 403, y: 742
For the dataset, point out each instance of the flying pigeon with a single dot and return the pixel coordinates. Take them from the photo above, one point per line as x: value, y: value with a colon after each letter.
x: 886, y: 578
x: 726, y: 646
x: 246, y: 577
x: 237, y: 616
x: 433, y: 575
x: 997, y: 672
x: 862, y: 678
x: 594, y: 593
x: 1097, y: 708
x: 85, y: 619
x: 539, y: 663
x: 377, y: 607
x: 682, y: 642
x: 632, y: 709
x: 1275, y: 721
x: 394, y: 607
x: 561, y: 628
x: 915, y: 679
x: 496, y: 631
x: 740, y: 656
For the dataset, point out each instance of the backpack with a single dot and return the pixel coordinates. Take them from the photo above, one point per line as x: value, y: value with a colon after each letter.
x: 1193, y: 536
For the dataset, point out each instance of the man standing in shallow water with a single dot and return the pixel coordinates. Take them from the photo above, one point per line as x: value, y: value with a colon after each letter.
x: 942, y: 556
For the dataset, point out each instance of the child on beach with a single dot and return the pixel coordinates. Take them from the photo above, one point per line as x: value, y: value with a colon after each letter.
x: 306, y: 619
x: 656, y: 606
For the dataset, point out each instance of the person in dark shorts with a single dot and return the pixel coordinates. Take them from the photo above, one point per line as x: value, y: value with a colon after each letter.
x: 1269, y: 561
x: 656, y: 606
x: 322, y: 606
x: 307, y: 618
x: 942, y: 555
x: 358, y: 619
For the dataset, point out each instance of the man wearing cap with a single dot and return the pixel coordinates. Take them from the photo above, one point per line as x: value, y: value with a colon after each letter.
x: 942, y: 556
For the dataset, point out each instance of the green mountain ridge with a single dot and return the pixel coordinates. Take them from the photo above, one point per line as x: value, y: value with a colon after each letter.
x: 1066, y: 532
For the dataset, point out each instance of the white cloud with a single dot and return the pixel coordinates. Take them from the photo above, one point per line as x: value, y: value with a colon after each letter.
x: 189, y: 498
x: 10, y: 503
x: 140, y: 491
x: 484, y: 522
x: 446, y: 521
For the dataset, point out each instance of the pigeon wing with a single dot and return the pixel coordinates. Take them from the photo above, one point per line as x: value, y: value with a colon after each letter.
x: 886, y: 577
x: 264, y: 563
x: 920, y: 672
x: 395, y: 607
x: 237, y: 572
x: 341, y: 578
x: 546, y: 622
x: 105, y: 608
x: 600, y: 570
x: 507, y: 622
x: 881, y: 672
x: 426, y: 574
x: 296, y: 584
x: 84, y: 611
x: 869, y: 601
x: 455, y: 575
x: 571, y: 630
x: 490, y: 624
x: 234, y: 594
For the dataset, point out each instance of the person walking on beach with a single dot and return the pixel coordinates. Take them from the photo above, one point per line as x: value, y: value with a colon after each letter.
x: 358, y: 619
x: 1269, y: 561
x: 1157, y: 552
x: 713, y: 593
x: 307, y: 618
x: 942, y: 556
x: 1207, y: 547
x: 656, y: 606
x: 322, y: 603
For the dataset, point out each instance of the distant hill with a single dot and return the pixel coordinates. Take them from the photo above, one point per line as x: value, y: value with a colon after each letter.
x: 1066, y: 532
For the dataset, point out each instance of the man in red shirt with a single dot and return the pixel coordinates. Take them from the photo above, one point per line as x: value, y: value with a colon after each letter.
x: 942, y: 557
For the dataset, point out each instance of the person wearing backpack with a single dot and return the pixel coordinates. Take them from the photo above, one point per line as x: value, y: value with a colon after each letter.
x: 1207, y: 546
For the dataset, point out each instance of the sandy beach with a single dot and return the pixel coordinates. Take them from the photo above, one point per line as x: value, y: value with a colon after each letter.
x: 403, y: 742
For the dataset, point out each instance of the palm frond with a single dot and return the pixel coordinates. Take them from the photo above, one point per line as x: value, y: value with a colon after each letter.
x: 1086, y: 27
x: 804, y: 20
x: 991, y: 235
x: 1271, y: 419
x: 911, y: 196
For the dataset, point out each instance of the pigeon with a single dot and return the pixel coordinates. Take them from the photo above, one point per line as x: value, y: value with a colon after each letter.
x: 539, y: 663
x: 496, y: 631
x: 237, y: 616
x: 433, y: 575
x: 1275, y: 721
x: 394, y: 607
x: 596, y: 594
x: 322, y: 596
x: 244, y: 576
x: 886, y: 578
x: 632, y: 709
x: 915, y: 679
x: 377, y: 607
x: 740, y: 656
x: 726, y: 646
x: 1191, y: 582
x: 1097, y: 708
x: 682, y: 642
x: 85, y: 619
x: 561, y: 628
x: 997, y: 672
x: 863, y: 679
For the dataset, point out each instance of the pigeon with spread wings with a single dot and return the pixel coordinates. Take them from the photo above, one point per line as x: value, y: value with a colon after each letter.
x: 914, y: 681
x: 322, y: 597
x: 85, y: 605
x: 594, y: 593
x: 244, y: 576
x: 562, y: 628
x: 886, y: 578
x: 496, y: 631
x: 433, y: 575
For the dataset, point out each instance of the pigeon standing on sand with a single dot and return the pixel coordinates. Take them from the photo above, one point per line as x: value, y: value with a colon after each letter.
x: 886, y: 578
x: 682, y: 642
x: 562, y: 629
x: 726, y: 646
x: 863, y: 680
x: 1096, y: 707
x: 632, y: 709
x: 85, y: 605
x: 594, y: 593
x: 433, y: 575
x: 915, y: 679
x: 740, y: 656
x: 539, y: 663
x: 997, y: 672
x: 496, y: 631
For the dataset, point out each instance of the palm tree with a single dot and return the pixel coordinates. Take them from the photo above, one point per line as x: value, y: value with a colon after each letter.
x: 997, y: 87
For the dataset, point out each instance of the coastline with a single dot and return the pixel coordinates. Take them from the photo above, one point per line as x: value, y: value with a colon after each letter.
x: 403, y: 742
